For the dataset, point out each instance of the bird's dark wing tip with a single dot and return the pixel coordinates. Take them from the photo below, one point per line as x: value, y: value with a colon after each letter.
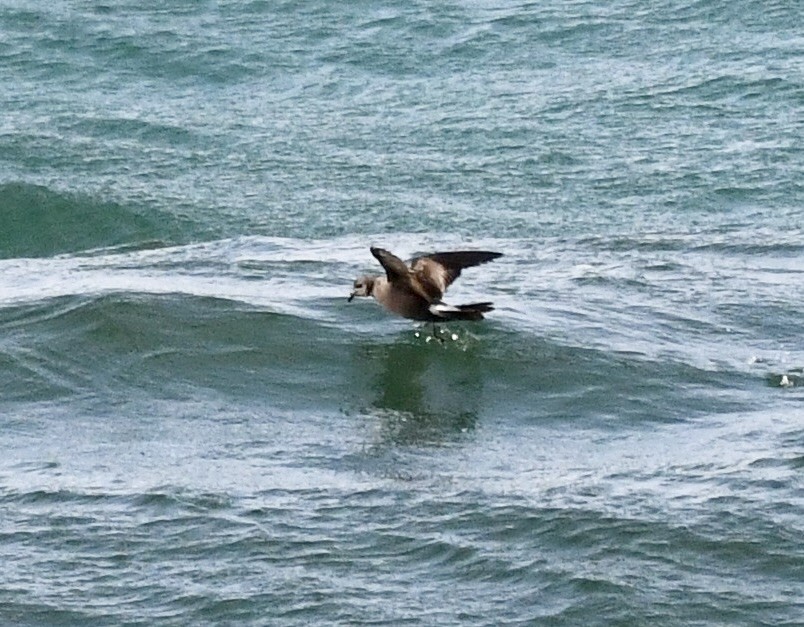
x: 395, y: 268
x: 488, y: 255
x: 464, y: 258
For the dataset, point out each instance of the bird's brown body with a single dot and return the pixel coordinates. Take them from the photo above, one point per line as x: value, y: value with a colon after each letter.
x: 416, y: 291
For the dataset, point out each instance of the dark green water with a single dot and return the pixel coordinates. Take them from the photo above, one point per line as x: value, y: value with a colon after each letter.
x: 195, y: 426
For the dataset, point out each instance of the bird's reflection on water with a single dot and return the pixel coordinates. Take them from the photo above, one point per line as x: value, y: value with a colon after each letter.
x: 423, y: 392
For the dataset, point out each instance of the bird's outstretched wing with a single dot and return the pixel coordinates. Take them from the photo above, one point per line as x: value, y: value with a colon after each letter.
x: 436, y: 272
x: 394, y: 267
x: 399, y: 274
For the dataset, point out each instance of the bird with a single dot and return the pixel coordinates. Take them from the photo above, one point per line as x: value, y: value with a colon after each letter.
x: 416, y: 291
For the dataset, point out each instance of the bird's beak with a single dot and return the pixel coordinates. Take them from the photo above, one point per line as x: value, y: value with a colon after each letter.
x: 351, y: 296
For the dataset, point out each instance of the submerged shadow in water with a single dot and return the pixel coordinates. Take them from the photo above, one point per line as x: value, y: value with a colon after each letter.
x: 422, y: 392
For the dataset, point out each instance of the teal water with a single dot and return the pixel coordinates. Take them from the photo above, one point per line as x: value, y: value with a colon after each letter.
x: 196, y: 428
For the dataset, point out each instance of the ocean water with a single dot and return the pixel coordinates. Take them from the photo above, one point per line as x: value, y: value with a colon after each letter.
x: 197, y: 428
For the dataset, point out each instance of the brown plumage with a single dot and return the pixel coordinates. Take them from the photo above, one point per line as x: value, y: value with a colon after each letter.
x: 416, y: 291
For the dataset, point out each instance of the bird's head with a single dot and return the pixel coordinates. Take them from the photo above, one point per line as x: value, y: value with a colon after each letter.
x: 363, y: 286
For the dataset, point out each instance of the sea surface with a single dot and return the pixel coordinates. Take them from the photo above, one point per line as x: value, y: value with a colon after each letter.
x: 196, y: 428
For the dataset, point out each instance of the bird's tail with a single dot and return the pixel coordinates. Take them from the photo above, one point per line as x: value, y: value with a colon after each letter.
x: 474, y: 311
